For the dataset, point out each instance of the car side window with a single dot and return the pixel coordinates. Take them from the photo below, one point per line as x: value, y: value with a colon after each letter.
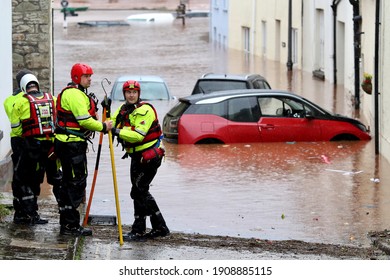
x: 297, y: 108
x: 283, y: 107
x: 274, y: 107
x: 270, y: 106
x: 259, y: 84
x: 243, y: 109
x: 218, y: 109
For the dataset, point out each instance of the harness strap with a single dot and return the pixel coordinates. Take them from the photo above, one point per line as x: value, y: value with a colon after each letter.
x: 87, y: 135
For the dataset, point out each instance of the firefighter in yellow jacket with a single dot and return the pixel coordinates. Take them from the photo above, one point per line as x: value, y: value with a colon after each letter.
x: 138, y: 129
x: 76, y: 121
x: 16, y: 140
x: 9, y: 102
x: 32, y: 122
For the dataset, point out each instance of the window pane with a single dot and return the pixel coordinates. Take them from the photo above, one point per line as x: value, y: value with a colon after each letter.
x: 243, y: 109
x: 217, y: 109
x: 269, y: 106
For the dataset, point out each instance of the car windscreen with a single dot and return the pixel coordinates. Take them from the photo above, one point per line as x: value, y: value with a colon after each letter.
x: 208, y: 86
x: 149, y: 91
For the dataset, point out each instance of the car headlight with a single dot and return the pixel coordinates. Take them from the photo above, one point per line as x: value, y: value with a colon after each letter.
x: 173, y: 124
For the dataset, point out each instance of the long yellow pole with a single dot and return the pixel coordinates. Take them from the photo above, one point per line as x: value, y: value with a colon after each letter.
x: 118, y: 212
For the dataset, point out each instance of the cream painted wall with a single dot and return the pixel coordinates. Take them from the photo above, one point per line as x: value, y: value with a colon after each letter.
x: 384, y: 85
x: 368, y: 55
x: 344, y: 56
x: 265, y: 13
x: 251, y: 14
x: 344, y: 15
x: 368, y: 65
x: 239, y: 16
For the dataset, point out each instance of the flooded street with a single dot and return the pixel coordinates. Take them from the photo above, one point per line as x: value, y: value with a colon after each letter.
x: 320, y: 192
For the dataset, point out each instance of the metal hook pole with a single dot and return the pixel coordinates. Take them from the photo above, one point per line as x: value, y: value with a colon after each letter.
x: 108, y: 82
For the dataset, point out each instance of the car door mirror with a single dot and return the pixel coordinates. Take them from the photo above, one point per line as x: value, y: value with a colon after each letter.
x: 309, y: 115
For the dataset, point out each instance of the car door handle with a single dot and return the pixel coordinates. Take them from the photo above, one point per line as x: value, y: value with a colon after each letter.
x: 266, y: 126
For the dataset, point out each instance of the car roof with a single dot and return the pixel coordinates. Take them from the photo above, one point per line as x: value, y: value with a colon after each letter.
x: 230, y: 76
x: 218, y: 96
x: 151, y: 16
x: 138, y: 78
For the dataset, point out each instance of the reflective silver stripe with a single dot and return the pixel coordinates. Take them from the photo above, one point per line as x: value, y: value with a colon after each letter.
x: 140, y: 132
x: 14, y: 125
x: 65, y: 207
x: 79, y: 118
x: 39, y: 117
x: 28, y: 197
x: 38, y: 112
x: 138, y: 217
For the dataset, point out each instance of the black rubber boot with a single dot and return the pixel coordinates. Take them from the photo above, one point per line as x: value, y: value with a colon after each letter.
x: 75, y: 231
x: 134, y: 237
x: 161, y: 232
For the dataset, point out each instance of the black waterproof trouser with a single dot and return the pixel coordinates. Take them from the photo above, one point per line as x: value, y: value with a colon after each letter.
x: 74, y: 182
x: 141, y: 176
x: 17, y: 145
x: 31, y: 161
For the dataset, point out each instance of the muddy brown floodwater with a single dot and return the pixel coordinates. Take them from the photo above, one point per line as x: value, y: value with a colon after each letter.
x: 332, y: 192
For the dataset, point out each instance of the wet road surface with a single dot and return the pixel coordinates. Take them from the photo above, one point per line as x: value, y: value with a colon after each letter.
x: 318, y: 192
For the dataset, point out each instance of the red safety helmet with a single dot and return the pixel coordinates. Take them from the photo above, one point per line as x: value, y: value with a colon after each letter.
x: 131, y: 85
x: 78, y: 70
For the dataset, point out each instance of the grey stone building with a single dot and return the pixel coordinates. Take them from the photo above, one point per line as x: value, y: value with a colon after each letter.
x: 32, y: 39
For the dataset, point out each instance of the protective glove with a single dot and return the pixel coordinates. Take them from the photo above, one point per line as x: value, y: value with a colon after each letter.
x: 106, y: 105
x: 115, y: 131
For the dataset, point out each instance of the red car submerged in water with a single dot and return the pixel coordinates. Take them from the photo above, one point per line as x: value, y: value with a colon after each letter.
x: 247, y: 116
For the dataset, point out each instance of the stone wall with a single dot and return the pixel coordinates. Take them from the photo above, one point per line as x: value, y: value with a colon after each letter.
x: 32, y: 39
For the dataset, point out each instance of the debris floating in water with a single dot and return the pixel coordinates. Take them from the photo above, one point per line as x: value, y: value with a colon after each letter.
x: 325, y: 159
x: 345, y: 172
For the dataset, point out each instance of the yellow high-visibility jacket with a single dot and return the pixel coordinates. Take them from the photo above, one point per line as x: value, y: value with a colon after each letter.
x: 77, y: 102
x: 9, y: 103
x: 141, y: 120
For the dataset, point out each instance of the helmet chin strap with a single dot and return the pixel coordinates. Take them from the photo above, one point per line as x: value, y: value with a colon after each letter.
x: 131, y: 104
